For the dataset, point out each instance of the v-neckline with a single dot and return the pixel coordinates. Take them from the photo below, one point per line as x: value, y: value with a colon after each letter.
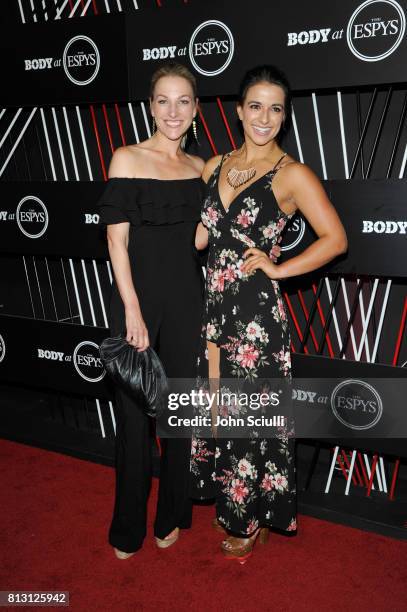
x: 226, y: 210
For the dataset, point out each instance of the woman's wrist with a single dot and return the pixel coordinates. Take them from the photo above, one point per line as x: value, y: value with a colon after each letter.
x: 279, y: 272
x: 132, y: 304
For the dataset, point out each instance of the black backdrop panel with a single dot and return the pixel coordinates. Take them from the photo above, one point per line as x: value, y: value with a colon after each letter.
x: 65, y: 357
x: 374, y: 214
x: 319, y: 45
x: 64, y: 61
x: 61, y: 218
x: 351, y: 403
x: 51, y: 218
x: 59, y: 356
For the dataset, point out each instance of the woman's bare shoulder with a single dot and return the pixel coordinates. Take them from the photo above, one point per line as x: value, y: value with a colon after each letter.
x: 128, y: 161
x: 197, y: 162
x: 295, y: 168
x: 210, y: 166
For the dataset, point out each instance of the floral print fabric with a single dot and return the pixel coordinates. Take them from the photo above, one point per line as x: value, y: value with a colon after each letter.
x: 252, y: 478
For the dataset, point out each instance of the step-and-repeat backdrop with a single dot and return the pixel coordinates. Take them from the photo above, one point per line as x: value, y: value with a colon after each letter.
x: 319, y: 45
x: 111, y: 57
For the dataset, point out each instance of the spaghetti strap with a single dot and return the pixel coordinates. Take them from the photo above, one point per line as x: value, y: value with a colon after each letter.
x: 216, y: 173
x: 275, y: 167
x: 225, y: 156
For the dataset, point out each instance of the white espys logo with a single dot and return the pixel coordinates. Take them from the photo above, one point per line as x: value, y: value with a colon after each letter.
x: 384, y: 227
x: 294, y: 234
x: 81, y: 60
x: 2, y: 348
x: 211, y: 47
x: 356, y: 404
x: 87, y: 362
x: 32, y: 217
x: 375, y: 29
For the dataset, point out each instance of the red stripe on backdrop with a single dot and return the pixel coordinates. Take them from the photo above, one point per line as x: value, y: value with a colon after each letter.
x: 306, y: 313
x: 208, y: 134
x: 345, y: 473
x: 119, y: 121
x: 362, y: 467
x: 95, y: 8
x: 294, y: 318
x: 394, y: 478
x: 374, y: 465
x: 356, y: 471
x: 70, y: 5
x: 109, y: 133
x: 95, y: 128
x: 225, y: 121
x: 158, y: 442
x: 400, y: 334
x: 346, y: 460
x: 323, y: 321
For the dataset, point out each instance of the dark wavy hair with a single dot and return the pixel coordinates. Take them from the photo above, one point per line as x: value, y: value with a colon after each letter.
x: 274, y: 76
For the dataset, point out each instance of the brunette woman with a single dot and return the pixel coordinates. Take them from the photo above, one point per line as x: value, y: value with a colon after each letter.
x: 252, y: 193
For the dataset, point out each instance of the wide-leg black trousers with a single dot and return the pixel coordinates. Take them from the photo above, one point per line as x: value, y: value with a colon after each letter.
x: 174, y: 330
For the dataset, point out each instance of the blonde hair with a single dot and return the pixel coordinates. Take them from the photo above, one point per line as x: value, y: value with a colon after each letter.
x: 172, y: 69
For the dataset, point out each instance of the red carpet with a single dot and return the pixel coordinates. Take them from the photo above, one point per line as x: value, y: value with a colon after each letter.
x: 55, y: 515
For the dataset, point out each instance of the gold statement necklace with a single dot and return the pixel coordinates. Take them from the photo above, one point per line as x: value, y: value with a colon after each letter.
x: 236, y: 178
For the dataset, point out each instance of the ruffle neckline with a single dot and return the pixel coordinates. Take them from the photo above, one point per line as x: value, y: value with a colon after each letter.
x: 163, y: 202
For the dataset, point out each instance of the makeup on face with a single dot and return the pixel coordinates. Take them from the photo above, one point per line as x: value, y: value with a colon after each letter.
x: 173, y: 106
x: 262, y: 112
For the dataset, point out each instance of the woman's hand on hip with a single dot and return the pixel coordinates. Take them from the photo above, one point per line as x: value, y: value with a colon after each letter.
x: 255, y: 259
x: 137, y: 333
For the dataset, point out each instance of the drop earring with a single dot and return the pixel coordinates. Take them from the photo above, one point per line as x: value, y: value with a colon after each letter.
x: 153, y: 126
x: 195, y: 130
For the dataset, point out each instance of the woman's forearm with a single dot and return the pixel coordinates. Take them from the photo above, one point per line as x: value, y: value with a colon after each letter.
x: 321, y: 252
x: 122, y: 273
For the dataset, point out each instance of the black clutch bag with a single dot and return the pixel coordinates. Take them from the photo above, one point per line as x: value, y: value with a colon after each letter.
x: 140, y: 373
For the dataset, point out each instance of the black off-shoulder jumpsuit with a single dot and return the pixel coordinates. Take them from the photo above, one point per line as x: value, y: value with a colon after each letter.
x: 167, y: 277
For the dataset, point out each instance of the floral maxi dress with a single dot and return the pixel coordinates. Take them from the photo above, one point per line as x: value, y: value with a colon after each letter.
x: 252, y: 478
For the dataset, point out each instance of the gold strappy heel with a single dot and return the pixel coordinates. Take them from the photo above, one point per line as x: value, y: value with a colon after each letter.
x: 241, y: 549
x: 218, y: 527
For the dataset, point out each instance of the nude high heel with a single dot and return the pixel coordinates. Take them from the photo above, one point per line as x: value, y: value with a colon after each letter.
x: 120, y: 554
x: 168, y: 541
x: 241, y: 549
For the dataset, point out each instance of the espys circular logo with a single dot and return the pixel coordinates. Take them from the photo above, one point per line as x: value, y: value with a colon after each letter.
x: 2, y: 348
x: 81, y: 60
x: 32, y: 217
x: 211, y: 47
x: 294, y: 234
x: 375, y: 29
x: 356, y: 404
x: 87, y: 362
